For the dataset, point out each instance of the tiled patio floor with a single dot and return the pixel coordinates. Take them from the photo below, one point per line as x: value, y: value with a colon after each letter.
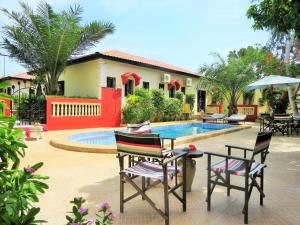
x: 95, y: 177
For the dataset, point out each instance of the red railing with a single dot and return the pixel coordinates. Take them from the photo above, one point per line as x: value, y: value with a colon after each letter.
x: 214, y: 108
x: 249, y: 110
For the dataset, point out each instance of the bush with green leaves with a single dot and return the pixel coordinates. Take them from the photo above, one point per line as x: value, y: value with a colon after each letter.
x: 144, y: 98
x: 180, y: 96
x: 173, y: 109
x: 78, y: 216
x: 19, y: 188
x: 139, y: 107
x: 158, y: 101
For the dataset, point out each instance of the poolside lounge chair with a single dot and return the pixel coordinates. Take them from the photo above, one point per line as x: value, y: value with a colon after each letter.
x: 145, y: 146
x: 214, y: 117
x: 244, y: 167
x: 236, y: 118
x: 139, y: 128
x: 145, y: 127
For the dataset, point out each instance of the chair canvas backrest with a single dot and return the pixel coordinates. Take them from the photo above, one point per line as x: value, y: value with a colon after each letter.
x: 139, y: 144
x: 262, y: 142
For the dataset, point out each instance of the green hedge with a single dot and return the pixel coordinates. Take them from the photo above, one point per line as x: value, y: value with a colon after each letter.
x: 152, y: 105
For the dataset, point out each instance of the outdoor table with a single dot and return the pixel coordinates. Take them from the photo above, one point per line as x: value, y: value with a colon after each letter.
x: 281, y: 124
x: 190, y: 166
x: 264, y: 124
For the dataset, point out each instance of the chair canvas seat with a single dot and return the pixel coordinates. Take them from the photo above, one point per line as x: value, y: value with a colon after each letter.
x: 236, y: 167
x: 150, y: 170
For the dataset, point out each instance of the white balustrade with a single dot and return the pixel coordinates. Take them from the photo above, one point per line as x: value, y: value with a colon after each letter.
x: 246, y: 110
x: 62, y: 109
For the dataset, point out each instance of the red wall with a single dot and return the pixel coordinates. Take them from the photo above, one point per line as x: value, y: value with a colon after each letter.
x: 110, y: 112
x: 7, y: 110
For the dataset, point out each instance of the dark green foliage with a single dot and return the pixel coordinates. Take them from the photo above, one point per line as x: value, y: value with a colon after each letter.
x: 43, y: 40
x: 277, y: 99
x: 281, y: 16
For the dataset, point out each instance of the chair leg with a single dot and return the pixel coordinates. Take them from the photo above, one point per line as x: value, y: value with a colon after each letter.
x: 262, y: 187
x: 143, y: 185
x: 246, y: 198
x: 228, y: 183
x: 184, y: 185
x: 121, y: 193
x: 121, y: 163
x: 208, y: 182
x: 166, y: 196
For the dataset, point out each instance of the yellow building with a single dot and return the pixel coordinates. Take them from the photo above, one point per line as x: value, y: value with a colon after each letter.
x: 85, y: 76
x: 19, y: 83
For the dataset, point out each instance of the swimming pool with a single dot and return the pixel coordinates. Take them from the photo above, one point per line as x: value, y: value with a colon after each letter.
x: 174, y: 131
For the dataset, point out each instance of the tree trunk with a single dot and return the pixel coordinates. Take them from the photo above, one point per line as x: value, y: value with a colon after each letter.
x: 292, y: 99
x: 51, y: 85
x: 291, y: 90
x: 232, y: 107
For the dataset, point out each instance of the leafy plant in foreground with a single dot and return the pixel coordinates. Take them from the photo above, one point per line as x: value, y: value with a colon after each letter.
x: 19, y: 188
x: 78, y: 216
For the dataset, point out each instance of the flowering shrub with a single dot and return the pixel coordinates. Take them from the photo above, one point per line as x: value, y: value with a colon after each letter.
x: 104, y: 215
x: 277, y: 99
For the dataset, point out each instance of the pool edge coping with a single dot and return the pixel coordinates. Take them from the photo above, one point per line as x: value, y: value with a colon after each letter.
x: 65, y: 144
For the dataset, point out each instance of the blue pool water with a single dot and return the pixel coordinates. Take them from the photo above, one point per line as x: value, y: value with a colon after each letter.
x: 175, y: 131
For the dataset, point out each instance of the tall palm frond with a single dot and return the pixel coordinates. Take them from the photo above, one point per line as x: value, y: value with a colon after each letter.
x: 43, y: 40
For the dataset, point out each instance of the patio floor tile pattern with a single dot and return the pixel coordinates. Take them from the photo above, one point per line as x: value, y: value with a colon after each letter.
x: 95, y: 177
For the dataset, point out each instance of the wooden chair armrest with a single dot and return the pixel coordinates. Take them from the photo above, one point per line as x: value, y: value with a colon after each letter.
x: 180, y: 155
x: 239, y: 147
x: 228, y: 156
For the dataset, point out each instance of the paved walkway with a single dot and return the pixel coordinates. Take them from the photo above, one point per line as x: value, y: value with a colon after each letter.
x: 95, y: 177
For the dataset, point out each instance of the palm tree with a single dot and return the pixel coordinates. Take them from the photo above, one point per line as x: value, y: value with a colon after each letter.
x: 229, y: 77
x: 43, y: 41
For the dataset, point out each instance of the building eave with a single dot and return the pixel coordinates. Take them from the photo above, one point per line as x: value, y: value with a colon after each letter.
x: 98, y: 55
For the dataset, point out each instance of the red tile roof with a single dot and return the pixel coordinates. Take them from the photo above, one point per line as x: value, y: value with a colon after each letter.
x: 23, y: 76
x: 140, y: 59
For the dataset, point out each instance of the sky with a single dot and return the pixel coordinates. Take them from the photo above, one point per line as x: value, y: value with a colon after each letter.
x: 183, y: 33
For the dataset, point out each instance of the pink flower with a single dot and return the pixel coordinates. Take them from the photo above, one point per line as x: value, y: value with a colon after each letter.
x: 105, y: 205
x: 82, y: 210
x: 29, y: 170
x: 90, y: 222
x: 112, y: 216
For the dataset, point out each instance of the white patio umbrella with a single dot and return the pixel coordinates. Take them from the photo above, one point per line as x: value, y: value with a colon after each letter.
x: 274, y: 80
x: 278, y: 81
